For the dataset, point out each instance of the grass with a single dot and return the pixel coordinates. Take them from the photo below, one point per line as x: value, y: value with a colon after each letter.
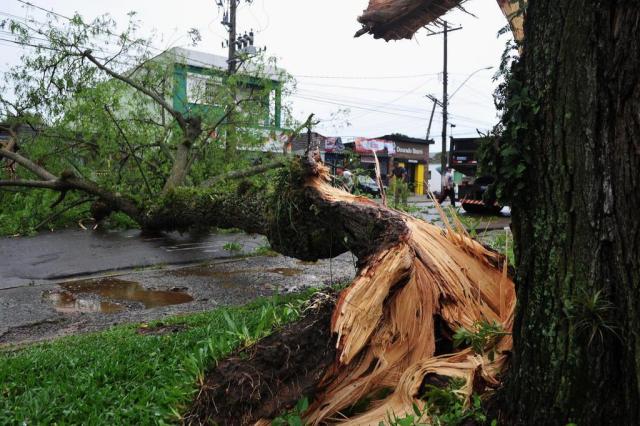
x: 232, y: 247
x: 121, y: 377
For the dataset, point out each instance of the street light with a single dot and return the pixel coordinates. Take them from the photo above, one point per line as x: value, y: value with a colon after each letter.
x: 467, y: 79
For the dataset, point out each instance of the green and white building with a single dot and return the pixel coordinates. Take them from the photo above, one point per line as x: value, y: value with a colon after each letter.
x: 198, y: 76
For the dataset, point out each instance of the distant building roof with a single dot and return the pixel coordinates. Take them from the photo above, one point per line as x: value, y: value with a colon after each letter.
x: 200, y: 59
x: 197, y: 58
x: 408, y: 139
x: 300, y: 142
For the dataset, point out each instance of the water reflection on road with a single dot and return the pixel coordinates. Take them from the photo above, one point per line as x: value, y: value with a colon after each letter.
x: 79, y: 296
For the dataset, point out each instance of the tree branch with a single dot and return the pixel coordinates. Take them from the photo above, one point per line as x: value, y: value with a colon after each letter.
x: 60, y: 212
x: 157, y: 98
x: 126, y: 140
x: 239, y: 174
x: 308, y: 123
x: 51, y: 184
x: 115, y: 201
x: 28, y: 164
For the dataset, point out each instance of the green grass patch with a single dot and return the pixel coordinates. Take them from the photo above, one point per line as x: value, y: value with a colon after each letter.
x: 121, y: 377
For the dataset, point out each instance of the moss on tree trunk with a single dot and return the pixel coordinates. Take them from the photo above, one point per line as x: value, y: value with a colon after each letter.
x: 576, y: 342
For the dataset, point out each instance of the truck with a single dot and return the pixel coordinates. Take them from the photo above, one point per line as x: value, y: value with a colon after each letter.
x: 463, y: 158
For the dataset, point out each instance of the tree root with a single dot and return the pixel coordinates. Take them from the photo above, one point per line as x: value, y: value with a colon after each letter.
x: 265, y: 379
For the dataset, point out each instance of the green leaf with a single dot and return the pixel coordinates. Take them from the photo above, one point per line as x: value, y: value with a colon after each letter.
x: 416, y: 410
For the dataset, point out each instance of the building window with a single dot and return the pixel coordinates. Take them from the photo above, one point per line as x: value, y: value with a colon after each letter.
x: 203, y: 90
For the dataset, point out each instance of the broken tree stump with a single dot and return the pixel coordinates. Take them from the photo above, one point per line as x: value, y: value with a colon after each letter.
x: 414, y: 281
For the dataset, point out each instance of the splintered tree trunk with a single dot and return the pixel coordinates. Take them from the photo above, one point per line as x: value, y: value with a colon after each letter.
x: 576, y: 336
x: 391, y: 328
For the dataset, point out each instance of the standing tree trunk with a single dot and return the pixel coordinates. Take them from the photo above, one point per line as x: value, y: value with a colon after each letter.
x: 576, y: 336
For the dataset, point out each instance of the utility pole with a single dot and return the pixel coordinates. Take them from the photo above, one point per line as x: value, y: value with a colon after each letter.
x: 233, y: 6
x: 243, y: 45
x: 445, y: 100
x: 426, y: 160
x: 229, y: 22
x: 433, y: 110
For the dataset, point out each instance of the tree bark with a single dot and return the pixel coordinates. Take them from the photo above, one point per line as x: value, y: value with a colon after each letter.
x: 577, y: 233
x: 182, y: 160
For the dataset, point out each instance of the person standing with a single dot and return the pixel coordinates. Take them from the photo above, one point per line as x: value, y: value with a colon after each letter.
x: 348, y: 180
x: 449, y: 188
x: 399, y: 172
x: 399, y: 186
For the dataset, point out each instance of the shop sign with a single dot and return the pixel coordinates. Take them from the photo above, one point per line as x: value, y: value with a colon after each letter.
x: 410, y: 151
x: 367, y: 146
x: 333, y: 145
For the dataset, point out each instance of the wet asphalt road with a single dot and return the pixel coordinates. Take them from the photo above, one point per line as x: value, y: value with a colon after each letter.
x: 54, y: 256
x: 38, y: 275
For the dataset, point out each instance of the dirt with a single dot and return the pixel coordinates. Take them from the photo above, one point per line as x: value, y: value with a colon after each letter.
x: 264, y: 380
x: 51, y: 310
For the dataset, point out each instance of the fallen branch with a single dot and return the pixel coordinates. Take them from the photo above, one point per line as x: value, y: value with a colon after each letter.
x: 69, y: 182
x: 240, y: 174
x: 182, y: 122
x: 247, y: 386
x: 52, y: 184
x: 308, y: 123
x: 28, y: 164
x: 131, y: 150
x: 62, y: 211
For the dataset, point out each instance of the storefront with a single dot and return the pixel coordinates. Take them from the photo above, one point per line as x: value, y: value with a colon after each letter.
x: 413, y: 154
x: 333, y: 153
x: 383, y: 151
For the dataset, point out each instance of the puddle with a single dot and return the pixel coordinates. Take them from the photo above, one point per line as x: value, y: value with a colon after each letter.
x: 74, y: 298
x: 287, y: 272
x: 67, y: 303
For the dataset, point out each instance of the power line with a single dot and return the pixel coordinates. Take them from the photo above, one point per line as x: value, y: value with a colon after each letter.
x: 374, y: 106
x: 360, y: 102
x: 108, y: 32
x: 386, y: 104
x: 388, y: 77
x: 355, y: 106
x: 339, y: 86
x: 415, y: 117
x: 378, y: 104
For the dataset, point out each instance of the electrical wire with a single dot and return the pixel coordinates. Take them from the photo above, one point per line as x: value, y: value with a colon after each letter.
x: 388, y: 77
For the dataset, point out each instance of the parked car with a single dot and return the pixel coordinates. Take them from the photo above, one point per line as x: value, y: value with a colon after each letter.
x: 368, y: 185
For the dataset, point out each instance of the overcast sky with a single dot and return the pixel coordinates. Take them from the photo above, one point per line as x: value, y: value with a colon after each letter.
x: 383, y: 84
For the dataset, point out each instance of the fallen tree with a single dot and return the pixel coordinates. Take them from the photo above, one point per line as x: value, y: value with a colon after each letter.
x: 392, y: 326
x: 391, y: 329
